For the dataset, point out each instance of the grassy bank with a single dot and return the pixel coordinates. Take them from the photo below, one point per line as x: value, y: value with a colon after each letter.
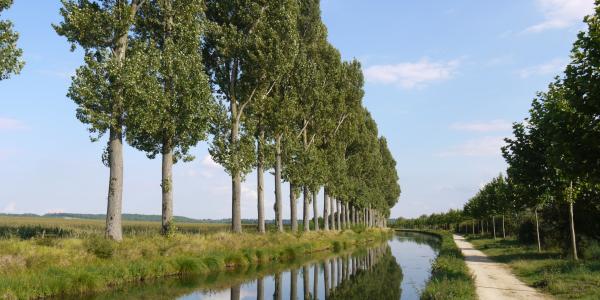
x: 450, y: 277
x: 43, y: 267
x: 548, y: 271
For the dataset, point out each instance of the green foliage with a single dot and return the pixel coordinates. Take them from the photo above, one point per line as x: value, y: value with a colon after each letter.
x: 100, y: 247
x: 450, y: 277
x: 170, y: 100
x: 10, y: 53
x: 187, y: 266
x: 382, y: 281
x: 337, y: 246
x: 547, y: 270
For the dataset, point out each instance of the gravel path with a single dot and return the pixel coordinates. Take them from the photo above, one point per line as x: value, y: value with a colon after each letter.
x: 494, y: 280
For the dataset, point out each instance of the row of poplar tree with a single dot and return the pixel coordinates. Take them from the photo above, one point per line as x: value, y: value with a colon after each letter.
x: 553, y: 172
x: 257, y: 78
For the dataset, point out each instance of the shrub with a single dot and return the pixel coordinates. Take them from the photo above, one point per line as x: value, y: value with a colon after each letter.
x: 359, y: 228
x: 186, y: 266
x: 337, y: 246
x: 590, y: 249
x: 100, y: 247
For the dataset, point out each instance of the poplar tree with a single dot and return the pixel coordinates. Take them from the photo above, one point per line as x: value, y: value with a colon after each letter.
x: 102, y: 29
x: 171, y: 101
x: 10, y: 53
x: 247, y: 49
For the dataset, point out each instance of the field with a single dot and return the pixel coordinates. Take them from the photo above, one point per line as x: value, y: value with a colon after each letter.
x: 60, y: 257
x: 549, y: 271
x: 29, y: 227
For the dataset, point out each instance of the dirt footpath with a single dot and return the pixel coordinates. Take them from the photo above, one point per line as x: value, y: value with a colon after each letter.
x: 494, y: 280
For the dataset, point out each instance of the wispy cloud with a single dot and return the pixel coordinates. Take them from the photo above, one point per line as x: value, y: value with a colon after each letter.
x: 561, y: 14
x: 486, y: 146
x: 11, y: 207
x: 410, y: 75
x: 554, y: 66
x: 11, y: 124
x: 486, y: 126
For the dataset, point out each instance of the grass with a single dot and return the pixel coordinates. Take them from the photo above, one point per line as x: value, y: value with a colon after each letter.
x: 83, y: 263
x: 450, y: 277
x: 548, y: 271
x: 29, y: 227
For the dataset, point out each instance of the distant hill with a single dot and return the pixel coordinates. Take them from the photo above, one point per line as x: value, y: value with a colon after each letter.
x: 132, y: 217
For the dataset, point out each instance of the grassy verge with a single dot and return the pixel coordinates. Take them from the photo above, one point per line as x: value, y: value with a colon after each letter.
x: 548, y: 271
x: 450, y: 277
x: 44, y: 267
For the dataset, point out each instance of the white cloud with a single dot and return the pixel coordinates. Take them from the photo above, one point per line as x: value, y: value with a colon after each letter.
x: 10, y: 124
x: 56, y: 211
x: 555, y: 66
x: 11, y: 207
x: 486, y: 146
x: 488, y: 126
x: 208, y: 162
x: 412, y: 74
x: 561, y: 14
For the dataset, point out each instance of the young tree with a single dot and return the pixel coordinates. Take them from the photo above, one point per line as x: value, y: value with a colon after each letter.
x: 247, y: 50
x: 102, y: 29
x: 10, y: 53
x: 171, y: 103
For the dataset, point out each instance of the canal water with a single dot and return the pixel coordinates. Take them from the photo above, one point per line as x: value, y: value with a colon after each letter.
x: 397, y: 269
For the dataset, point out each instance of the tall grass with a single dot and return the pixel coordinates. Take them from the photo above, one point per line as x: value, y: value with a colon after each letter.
x: 550, y: 270
x: 30, y: 269
x: 450, y: 276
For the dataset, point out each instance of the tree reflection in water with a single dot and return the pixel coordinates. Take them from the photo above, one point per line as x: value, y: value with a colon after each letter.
x: 378, y: 277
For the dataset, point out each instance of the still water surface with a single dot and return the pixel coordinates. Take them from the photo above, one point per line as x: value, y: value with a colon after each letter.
x: 397, y: 269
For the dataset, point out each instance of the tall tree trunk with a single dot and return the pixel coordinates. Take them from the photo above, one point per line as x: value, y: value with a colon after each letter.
x: 278, y: 293
x: 306, y: 282
x: 537, y: 230
x: 167, y: 187
x: 315, y: 208
x: 332, y: 214
x: 339, y: 210
x: 473, y: 223
x: 115, y: 185
x: 260, y: 289
x: 294, y: 284
x: 326, y: 278
x: 494, y: 225
x: 306, y: 209
x: 260, y: 182
x: 325, y: 209
x: 315, y: 281
x: 572, y: 230
x: 236, y: 177
x: 293, y: 209
x: 278, y: 194
x: 343, y: 215
x: 235, y: 292
x: 114, y: 228
x: 347, y: 209
x: 503, y: 228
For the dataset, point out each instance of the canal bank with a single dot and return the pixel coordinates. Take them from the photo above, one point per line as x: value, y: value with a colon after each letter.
x: 41, y: 268
x: 450, y: 276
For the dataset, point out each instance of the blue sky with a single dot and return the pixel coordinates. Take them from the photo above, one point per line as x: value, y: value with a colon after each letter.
x: 444, y: 81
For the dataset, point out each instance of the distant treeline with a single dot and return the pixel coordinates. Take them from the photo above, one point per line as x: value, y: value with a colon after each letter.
x: 138, y: 217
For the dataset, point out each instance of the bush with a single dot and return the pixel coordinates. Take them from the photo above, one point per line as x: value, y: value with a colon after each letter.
x: 100, y: 247
x: 337, y: 246
x: 526, y: 233
x: 590, y: 249
x: 359, y: 228
x: 186, y: 266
